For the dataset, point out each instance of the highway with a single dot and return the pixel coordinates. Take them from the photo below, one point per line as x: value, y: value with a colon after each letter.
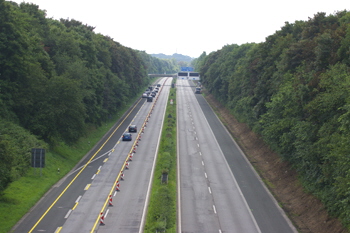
x: 218, y: 190
x: 82, y: 194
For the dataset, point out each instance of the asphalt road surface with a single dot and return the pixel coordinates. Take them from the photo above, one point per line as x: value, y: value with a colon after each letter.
x: 74, y: 204
x: 219, y: 190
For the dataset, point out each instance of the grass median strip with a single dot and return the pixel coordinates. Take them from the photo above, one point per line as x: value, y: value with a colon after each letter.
x: 161, y: 215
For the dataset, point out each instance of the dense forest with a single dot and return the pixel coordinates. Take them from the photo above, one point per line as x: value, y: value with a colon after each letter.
x: 294, y: 90
x: 57, y: 77
x: 182, y: 59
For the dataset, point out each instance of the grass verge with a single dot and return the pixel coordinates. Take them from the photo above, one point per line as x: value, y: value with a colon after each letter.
x: 21, y: 195
x: 161, y: 215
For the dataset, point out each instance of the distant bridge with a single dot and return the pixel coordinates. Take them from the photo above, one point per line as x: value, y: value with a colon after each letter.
x: 180, y: 75
x: 163, y: 75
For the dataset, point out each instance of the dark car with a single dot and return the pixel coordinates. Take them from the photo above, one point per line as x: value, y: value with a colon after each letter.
x: 127, y: 137
x: 158, y: 85
x: 153, y: 94
x: 132, y: 128
x: 149, y: 99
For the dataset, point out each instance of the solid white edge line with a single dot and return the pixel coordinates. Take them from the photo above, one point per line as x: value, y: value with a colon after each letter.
x: 234, y: 178
x: 143, y: 218
x: 179, y: 226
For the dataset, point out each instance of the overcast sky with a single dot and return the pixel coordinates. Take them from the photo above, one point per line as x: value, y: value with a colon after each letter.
x: 188, y: 27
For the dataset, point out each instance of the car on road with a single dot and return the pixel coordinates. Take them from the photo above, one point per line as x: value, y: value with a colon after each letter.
x: 198, y: 90
x: 132, y: 128
x: 127, y: 137
x: 149, y: 99
x: 144, y: 95
x: 158, y: 85
x: 153, y: 94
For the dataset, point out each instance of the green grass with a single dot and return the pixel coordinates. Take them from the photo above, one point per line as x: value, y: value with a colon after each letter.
x: 161, y: 215
x: 23, y: 194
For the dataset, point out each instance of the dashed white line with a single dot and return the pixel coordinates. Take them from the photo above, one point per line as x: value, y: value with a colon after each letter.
x: 78, y: 199
x: 205, y: 174
x: 214, y: 209
x: 93, y: 177
x: 209, y: 189
x: 203, y: 163
x: 106, y: 213
x: 67, y: 215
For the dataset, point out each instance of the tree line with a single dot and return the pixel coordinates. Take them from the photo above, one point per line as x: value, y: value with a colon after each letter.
x: 294, y: 90
x: 57, y: 77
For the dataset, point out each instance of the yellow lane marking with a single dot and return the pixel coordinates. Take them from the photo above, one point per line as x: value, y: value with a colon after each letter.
x: 88, y: 162
x: 118, y: 177
x: 75, y: 205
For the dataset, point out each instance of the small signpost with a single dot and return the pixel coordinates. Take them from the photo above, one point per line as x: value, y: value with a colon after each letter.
x: 38, y: 158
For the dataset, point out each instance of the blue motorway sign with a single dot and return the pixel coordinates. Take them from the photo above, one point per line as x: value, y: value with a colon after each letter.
x: 184, y: 68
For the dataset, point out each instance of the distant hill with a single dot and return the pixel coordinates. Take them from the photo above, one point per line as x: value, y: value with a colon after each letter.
x: 176, y: 56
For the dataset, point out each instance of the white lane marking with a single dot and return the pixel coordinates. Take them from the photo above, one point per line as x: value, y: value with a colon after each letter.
x: 93, y: 177
x: 214, y: 209
x: 205, y: 174
x: 202, y: 162
x: 209, y: 189
x: 78, y: 199
x: 67, y: 215
x: 106, y: 213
